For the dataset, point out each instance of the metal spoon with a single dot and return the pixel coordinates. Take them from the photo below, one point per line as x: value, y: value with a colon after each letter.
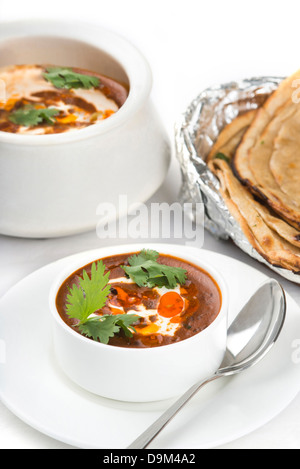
x: 250, y: 336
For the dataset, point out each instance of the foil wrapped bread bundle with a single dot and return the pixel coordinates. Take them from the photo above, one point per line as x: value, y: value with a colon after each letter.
x: 214, y: 139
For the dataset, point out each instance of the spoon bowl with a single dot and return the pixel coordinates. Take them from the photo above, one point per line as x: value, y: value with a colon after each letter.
x: 255, y: 329
x: 250, y: 336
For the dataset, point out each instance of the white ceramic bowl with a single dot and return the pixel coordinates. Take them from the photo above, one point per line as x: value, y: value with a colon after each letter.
x: 138, y: 375
x: 51, y: 185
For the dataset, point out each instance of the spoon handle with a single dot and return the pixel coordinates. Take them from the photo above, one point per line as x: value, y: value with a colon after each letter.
x: 148, y: 435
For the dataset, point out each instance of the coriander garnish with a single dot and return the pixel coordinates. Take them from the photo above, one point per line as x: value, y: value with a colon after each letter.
x: 221, y: 156
x: 91, y: 296
x: 29, y: 116
x: 104, y: 327
x: 65, y: 78
x: 145, y: 271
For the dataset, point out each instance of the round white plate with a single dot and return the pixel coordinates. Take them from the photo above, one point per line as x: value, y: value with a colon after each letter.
x: 34, y: 388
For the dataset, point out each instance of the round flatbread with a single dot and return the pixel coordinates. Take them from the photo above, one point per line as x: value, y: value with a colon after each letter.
x: 285, y: 159
x: 273, y: 238
x: 252, y: 159
x: 231, y: 135
x: 274, y: 248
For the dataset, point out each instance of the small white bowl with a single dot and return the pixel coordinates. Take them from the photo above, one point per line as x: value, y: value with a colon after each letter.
x: 133, y: 374
x: 51, y: 185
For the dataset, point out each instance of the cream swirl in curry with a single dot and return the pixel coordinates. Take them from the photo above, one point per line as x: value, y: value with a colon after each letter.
x: 47, y: 99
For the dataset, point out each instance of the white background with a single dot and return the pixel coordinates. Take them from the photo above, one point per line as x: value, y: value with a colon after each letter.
x: 190, y: 44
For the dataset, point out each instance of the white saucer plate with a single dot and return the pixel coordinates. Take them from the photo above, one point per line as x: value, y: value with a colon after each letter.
x: 34, y: 388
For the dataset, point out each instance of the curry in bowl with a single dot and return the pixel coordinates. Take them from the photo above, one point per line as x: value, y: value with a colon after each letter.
x: 43, y: 100
x: 139, y: 300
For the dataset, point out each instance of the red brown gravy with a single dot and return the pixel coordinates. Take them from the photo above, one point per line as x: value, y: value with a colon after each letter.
x: 200, y: 295
x: 26, y: 86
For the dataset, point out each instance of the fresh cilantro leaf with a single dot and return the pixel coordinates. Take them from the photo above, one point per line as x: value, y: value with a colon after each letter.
x: 88, y: 297
x: 91, y: 294
x: 65, y: 78
x: 102, y: 328
x: 143, y: 256
x: 30, y: 117
x: 221, y: 156
x: 145, y: 271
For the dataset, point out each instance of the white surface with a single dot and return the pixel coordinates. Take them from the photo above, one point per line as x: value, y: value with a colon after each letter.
x: 53, y: 404
x: 189, y: 45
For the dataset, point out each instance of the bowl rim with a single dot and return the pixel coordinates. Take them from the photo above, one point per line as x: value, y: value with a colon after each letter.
x: 123, y: 51
x: 87, y: 257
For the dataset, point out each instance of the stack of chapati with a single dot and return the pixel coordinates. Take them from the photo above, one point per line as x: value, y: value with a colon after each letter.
x: 257, y: 160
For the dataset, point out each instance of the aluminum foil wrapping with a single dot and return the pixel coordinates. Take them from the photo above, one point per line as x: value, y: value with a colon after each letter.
x: 195, y: 133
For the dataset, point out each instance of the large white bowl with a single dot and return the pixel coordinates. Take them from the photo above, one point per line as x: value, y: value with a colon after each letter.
x: 51, y: 185
x: 138, y: 375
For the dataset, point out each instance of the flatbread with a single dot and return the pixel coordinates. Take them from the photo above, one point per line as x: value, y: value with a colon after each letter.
x: 273, y: 238
x: 233, y: 209
x: 231, y: 135
x: 275, y: 249
x: 252, y: 158
x: 285, y: 159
